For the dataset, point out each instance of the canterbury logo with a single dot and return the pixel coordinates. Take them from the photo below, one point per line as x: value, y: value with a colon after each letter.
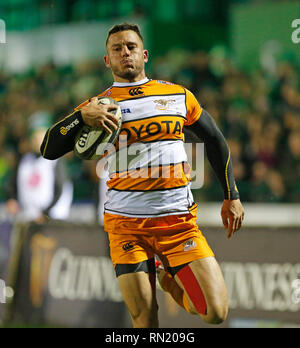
x: 127, y: 246
x: 136, y: 91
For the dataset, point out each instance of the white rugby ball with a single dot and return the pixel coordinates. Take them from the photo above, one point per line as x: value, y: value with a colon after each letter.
x: 90, y: 142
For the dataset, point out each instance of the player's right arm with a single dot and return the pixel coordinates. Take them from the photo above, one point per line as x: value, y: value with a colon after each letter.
x: 60, y: 138
x: 202, y: 125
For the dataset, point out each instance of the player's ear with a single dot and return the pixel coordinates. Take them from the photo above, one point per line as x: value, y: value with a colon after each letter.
x: 106, y: 61
x: 146, y: 56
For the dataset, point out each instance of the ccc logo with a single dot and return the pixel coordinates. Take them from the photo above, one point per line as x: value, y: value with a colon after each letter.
x: 127, y: 246
x: 136, y: 91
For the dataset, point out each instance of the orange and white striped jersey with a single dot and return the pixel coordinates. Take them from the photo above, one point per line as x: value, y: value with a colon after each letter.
x: 149, y: 173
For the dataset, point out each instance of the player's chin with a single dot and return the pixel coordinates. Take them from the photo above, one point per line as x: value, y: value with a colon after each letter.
x: 128, y: 68
x: 129, y: 73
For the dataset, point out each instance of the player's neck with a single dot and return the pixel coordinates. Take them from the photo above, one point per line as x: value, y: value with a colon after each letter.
x: 134, y: 82
x: 137, y: 78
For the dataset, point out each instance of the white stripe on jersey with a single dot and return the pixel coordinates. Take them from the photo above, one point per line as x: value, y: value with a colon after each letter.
x: 155, y: 203
x: 150, y: 106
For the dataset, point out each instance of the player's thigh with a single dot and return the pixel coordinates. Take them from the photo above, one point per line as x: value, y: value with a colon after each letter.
x: 209, y: 276
x: 140, y: 298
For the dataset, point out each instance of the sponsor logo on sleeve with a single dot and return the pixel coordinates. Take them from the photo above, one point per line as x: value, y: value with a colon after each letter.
x: 64, y: 130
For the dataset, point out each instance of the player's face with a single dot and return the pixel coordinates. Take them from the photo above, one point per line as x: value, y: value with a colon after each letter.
x: 126, y: 56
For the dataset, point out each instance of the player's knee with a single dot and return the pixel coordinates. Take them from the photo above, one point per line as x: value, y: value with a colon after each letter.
x: 145, y: 317
x: 145, y: 320
x: 216, y: 314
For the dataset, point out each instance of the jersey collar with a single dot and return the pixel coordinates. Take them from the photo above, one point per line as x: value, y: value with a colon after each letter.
x: 128, y: 84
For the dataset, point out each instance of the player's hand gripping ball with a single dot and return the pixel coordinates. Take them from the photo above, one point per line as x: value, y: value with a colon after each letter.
x: 91, y: 142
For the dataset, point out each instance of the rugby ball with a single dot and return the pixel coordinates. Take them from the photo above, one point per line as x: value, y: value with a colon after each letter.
x: 90, y: 142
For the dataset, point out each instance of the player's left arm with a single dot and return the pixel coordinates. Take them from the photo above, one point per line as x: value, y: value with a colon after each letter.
x: 60, y: 138
x: 218, y: 154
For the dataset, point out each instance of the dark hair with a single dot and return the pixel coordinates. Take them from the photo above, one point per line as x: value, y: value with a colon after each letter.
x: 122, y: 27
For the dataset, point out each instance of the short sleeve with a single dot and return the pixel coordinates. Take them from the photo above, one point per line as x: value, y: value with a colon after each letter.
x: 193, y: 108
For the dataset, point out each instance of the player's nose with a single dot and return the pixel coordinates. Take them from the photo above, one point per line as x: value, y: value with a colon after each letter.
x: 125, y: 51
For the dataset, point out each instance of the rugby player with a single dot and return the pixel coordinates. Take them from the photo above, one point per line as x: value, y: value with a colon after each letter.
x: 148, y: 215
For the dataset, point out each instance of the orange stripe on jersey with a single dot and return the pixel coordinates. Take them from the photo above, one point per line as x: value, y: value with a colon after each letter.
x: 151, y: 88
x: 149, y: 179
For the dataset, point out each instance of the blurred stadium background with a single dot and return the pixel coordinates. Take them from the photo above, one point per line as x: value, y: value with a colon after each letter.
x: 241, y: 58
